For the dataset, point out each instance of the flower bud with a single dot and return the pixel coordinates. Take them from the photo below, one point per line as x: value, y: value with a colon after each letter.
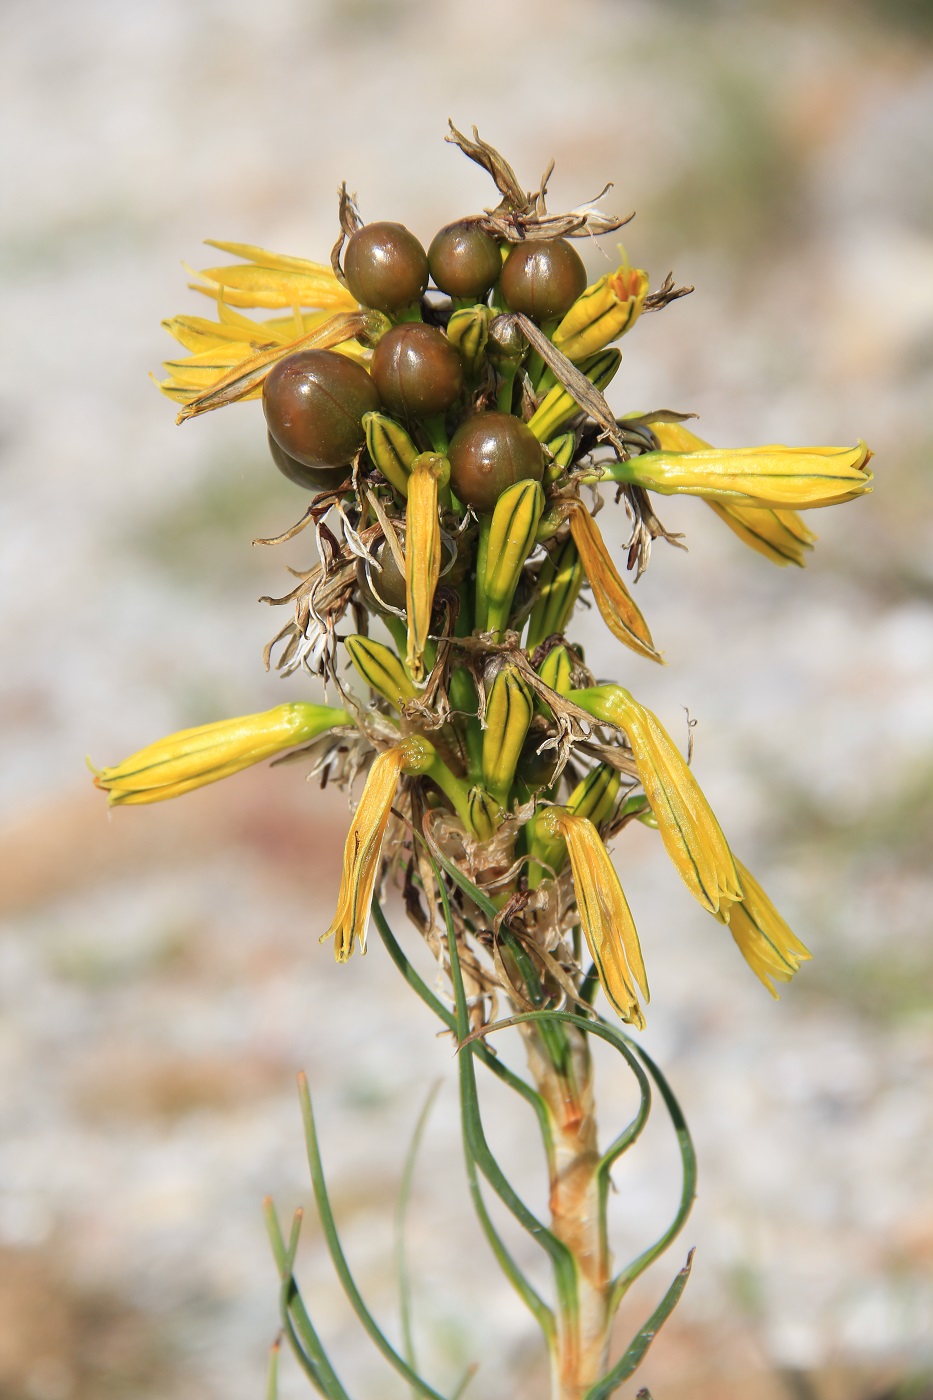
x: 556, y: 670
x: 559, y: 581
x: 509, y: 712
x: 485, y: 813
x: 560, y: 450
x: 468, y: 333
x: 602, y: 313
x: 390, y: 448
x: 511, y: 539
x: 192, y: 758
x: 558, y: 405
x: 381, y: 669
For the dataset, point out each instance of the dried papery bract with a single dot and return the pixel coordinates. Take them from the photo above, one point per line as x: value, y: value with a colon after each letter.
x: 454, y: 440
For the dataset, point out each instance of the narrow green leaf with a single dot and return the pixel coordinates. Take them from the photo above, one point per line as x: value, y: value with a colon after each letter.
x: 338, y: 1258
x: 296, y: 1323
x: 634, y: 1356
x: 688, y: 1160
x: 475, y: 1140
x: 468, y: 1375
x: 272, y: 1376
x: 404, y: 1195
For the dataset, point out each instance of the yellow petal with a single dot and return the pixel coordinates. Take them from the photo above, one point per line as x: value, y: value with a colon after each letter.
x: 192, y: 758
x: 273, y: 280
x: 613, y: 599
x: 242, y: 380
x: 764, y: 939
x: 690, y: 832
x: 605, y: 917
x: 363, y: 854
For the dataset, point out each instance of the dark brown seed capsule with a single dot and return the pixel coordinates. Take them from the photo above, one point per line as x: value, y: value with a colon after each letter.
x: 417, y: 371
x: 535, y: 769
x: 385, y: 266
x: 314, y: 478
x: 542, y: 279
x: 388, y: 583
x: 490, y: 452
x: 464, y: 261
x: 313, y: 402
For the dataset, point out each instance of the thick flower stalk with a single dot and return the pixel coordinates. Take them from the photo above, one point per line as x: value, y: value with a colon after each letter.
x: 443, y: 413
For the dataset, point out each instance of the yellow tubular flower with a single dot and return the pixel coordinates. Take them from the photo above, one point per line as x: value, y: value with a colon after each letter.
x: 272, y: 280
x: 605, y: 917
x: 192, y: 758
x: 801, y: 477
x: 691, y: 834
x: 613, y: 599
x: 363, y: 853
x: 603, y: 313
x: 218, y: 346
x: 764, y: 939
x: 780, y: 535
x: 422, y: 553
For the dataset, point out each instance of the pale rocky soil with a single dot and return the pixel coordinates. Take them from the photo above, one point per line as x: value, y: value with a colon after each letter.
x: 161, y: 979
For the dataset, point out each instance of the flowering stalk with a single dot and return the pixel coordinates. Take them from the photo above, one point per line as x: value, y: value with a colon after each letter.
x: 443, y: 409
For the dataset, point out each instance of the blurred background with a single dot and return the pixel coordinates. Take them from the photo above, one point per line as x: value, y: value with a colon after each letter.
x: 161, y: 978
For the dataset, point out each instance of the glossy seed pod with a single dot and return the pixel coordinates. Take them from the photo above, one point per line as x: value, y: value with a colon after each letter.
x: 385, y: 266
x: 417, y: 371
x: 314, y: 478
x: 314, y: 402
x: 543, y: 279
x: 388, y: 582
x: 489, y: 453
x: 464, y: 261
x: 535, y: 769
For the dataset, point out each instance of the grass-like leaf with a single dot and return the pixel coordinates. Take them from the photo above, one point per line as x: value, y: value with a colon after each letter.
x: 634, y: 1355
x: 404, y: 1195
x: 297, y: 1325
x: 338, y: 1258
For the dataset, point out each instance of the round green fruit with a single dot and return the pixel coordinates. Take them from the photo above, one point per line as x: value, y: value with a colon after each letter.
x: 542, y: 279
x: 314, y: 478
x: 490, y: 452
x: 464, y: 261
x: 385, y: 266
x: 417, y: 371
x: 313, y: 402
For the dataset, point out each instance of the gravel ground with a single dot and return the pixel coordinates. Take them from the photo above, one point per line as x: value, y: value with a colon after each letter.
x: 159, y: 972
